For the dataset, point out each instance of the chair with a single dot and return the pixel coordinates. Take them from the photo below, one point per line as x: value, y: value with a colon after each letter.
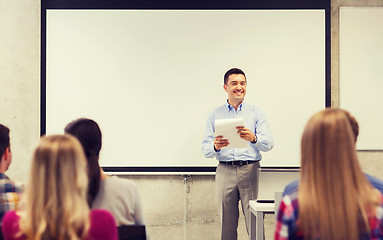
x: 131, y: 232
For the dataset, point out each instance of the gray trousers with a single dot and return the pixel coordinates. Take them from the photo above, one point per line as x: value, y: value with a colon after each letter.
x: 235, y: 183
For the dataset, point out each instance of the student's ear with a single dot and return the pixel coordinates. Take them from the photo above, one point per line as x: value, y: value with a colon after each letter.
x: 225, y: 87
x: 7, y: 153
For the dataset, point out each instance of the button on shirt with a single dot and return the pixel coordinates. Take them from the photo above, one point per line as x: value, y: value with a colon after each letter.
x: 255, y: 120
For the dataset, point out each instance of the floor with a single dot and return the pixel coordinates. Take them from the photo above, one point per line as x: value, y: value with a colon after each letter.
x: 204, y: 231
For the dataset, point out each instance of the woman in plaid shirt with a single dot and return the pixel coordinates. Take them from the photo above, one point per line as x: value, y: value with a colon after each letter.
x: 334, y: 199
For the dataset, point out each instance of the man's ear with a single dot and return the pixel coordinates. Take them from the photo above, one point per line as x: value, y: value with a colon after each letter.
x: 7, y: 153
x: 225, y: 87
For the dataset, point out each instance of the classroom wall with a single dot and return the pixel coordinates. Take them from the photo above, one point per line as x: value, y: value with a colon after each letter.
x: 371, y: 161
x: 20, y: 79
x: 169, y: 200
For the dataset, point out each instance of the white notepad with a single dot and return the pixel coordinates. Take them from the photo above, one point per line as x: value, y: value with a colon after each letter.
x: 227, y: 128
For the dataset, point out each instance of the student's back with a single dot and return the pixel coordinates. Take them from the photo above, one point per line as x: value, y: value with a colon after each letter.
x: 334, y: 199
x: 102, y: 226
x: 54, y: 205
x: 119, y: 196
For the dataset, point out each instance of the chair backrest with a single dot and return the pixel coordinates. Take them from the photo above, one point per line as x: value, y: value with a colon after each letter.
x: 131, y: 232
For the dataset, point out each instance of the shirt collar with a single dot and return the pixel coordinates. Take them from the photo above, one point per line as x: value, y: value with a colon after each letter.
x: 3, y: 176
x: 230, y: 107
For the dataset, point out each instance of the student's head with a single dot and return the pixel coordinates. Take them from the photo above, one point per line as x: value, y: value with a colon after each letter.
x: 5, y: 148
x: 235, y: 85
x: 4, y: 139
x: 89, y: 134
x: 353, y: 123
x: 330, y: 173
x: 55, y: 203
x: 328, y: 140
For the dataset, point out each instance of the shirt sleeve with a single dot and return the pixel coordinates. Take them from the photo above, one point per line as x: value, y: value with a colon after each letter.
x: 262, y: 129
x: 10, y: 226
x: 284, y: 219
x: 138, y: 214
x: 376, y: 225
x: 208, y: 142
x: 102, y: 226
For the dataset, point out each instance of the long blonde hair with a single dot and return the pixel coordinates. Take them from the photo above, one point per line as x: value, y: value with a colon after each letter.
x: 55, y: 201
x: 334, y: 195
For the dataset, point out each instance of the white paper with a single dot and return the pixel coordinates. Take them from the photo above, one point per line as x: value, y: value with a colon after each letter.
x: 227, y: 129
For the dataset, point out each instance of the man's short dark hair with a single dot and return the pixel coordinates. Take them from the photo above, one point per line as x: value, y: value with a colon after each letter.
x: 230, y: 72
x: 4, y: 139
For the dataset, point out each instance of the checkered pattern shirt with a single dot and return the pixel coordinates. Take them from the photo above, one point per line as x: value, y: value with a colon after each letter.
x: 9, y: 194
x: 286, y: 226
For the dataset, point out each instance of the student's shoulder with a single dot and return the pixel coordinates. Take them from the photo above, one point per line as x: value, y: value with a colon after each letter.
x: 103, y: 225
x: 10, y: 216
x: 8, y: 185
x: 9, y: 222
x: 121, y: 182
x: 101, y: 216
x: 375, y: 182
x: 100, y: 213
x: 291, y: 188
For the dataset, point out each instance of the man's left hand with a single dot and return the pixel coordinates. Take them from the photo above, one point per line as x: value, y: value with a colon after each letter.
x: 246, y: 134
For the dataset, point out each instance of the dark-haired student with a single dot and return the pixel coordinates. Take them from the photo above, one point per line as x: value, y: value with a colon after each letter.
x: 117, y: 195
x: 10, y: 191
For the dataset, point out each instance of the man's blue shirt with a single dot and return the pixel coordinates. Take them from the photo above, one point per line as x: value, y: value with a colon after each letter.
x: 255, y: 120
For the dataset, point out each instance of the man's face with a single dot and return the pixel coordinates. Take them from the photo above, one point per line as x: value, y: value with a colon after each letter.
x: 236, y: 87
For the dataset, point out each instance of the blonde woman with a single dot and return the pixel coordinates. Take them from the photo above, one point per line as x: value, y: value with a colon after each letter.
x: 334, y: 199
x: 55, y: 205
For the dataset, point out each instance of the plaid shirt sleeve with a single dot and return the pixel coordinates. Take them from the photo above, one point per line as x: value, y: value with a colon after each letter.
x: 376, y: 224
x: 281, y: 225
x: 10, y: 193
x: 286, y: 224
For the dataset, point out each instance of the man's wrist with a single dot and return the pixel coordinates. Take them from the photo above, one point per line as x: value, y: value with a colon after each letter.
x: 255, y: 139
x: 215, y: 149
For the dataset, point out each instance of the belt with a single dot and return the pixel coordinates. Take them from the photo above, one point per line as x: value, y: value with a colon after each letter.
x: 238, y: 163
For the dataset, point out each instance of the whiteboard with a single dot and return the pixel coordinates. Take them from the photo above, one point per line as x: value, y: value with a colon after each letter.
x: 151, y: 77
x: 361, y: 72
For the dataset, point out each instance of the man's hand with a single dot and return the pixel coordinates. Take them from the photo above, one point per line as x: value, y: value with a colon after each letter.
x: 246, y: 134
x: 220, y: 142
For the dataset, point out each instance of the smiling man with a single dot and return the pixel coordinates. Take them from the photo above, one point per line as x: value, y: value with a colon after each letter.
x: 237, y: 171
